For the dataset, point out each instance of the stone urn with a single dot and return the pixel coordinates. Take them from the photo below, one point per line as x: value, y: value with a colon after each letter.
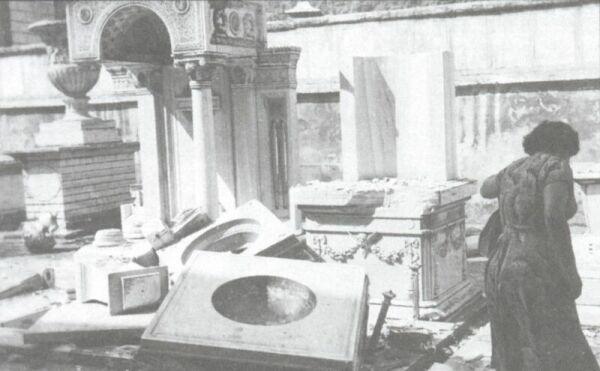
x: 73, y: 80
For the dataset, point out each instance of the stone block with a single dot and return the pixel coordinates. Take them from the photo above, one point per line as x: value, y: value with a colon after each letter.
x: 419, y: 222
x: 90, y: 323
x: 72, y: 132
x: 80, y: 184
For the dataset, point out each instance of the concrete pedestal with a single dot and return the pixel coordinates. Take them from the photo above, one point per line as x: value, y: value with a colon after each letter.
x: 83, y: 185
x: 420, y: 222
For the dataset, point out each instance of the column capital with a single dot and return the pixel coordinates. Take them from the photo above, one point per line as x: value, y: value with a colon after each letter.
x: 200, y: 70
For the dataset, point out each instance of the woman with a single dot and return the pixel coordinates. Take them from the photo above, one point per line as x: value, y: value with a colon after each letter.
x: 531, y: 278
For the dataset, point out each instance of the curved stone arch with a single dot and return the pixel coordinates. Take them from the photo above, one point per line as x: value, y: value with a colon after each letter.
x: 115, y: 8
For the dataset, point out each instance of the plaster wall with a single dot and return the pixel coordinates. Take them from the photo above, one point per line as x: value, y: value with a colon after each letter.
x: 515, y: 67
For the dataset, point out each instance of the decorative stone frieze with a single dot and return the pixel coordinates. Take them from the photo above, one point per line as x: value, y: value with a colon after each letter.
x: 277, y: 67
x: 128, y: 77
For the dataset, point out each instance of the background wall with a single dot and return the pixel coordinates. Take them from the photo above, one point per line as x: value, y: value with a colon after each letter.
x: 15, y: 16
x: 275, y: 9
x: 517, y: 63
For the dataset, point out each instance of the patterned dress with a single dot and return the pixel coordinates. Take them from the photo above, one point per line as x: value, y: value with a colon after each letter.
x: 534, y: 321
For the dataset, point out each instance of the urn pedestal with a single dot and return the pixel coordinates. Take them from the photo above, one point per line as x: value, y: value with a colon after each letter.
x: 80, y: 170
x: 83, y: 185
x: 421, y: 225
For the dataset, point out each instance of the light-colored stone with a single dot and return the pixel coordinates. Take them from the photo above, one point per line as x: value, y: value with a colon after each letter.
x: 369, y: 138
x: 420, y: 223
x: 53, y: 183
x: 426, y: 145
x: 403, y: 122
x: 193, y: 162
x: 274, y: 324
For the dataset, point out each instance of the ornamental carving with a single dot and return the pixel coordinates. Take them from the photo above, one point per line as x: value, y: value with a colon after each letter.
x: 449, y: 239
x: 130, y: 76
x: 242, y: 72
x: 85, y: 14
x: 410, y: 249
x: 181, y: 6
x: 456, y: 237
x: 234, y: 23
x: 88, y: 20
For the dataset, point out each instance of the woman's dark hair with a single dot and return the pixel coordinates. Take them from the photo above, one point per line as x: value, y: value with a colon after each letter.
x: 553, y: 137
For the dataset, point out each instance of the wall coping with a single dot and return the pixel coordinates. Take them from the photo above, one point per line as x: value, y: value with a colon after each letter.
x: 436, y: 11
x: 472, y: 78
x: 57, y: 101
x: 24, y: 49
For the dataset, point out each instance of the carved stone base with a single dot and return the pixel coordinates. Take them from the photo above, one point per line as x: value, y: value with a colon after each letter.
x: 420, y: 225
x: 77, y: 132
x: 443, y: 308
x: 82, y: 185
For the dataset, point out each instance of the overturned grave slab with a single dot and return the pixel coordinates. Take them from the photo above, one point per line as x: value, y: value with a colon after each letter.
x: 234, y: 309
x: 251, y: 229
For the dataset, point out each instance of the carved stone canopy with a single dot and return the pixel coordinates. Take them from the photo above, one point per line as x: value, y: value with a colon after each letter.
x: 192, y: 28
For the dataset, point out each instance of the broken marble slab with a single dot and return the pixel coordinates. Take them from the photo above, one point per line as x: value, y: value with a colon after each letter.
x: 262, y: 311
x: 89, y: 323
x: 251, y: 229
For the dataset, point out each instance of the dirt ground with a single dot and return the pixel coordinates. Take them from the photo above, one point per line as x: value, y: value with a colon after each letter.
x: 471, y: 354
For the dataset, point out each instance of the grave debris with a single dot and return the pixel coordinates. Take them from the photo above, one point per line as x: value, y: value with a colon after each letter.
x: 36, y: 282
x: 262, y: 311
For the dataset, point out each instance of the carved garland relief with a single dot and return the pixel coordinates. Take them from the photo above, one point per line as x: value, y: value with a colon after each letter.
x: 406, y: 248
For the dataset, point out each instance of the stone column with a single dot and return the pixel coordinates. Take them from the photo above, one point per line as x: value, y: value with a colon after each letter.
x: 242, y: 73
x: 204, y: 156
x: 277, y: 118
x: 145, y: 81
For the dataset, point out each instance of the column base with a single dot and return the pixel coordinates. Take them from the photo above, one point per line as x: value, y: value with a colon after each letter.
x: 445, y: 308
x: 77, y: 131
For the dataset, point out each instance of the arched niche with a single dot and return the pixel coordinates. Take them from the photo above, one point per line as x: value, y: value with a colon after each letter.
x: 136, y: 34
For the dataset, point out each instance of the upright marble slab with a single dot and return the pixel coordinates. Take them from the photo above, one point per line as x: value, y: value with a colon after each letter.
x: 397, y: 117
x: 369, y: 135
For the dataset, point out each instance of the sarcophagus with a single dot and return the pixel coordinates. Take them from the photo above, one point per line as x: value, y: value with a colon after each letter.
x: 228, y: 310
x: 421, y: 224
